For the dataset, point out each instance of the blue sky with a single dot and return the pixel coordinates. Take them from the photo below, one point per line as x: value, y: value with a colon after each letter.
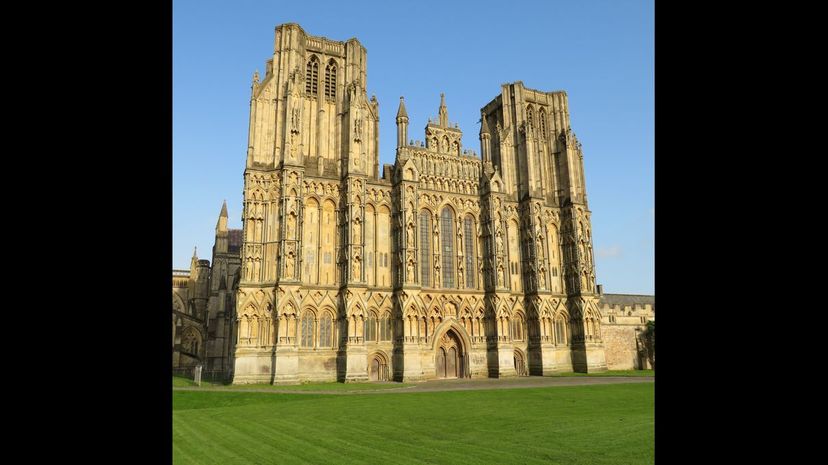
x: 600, y: 52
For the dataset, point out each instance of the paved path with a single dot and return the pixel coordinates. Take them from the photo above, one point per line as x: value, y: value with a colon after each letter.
x: 453, y: 385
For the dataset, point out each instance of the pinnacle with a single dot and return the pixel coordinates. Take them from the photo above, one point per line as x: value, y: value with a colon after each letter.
x: 401, y: 113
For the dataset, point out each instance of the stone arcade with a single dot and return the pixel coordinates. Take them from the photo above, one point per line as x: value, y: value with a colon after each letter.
x: 442, y: 265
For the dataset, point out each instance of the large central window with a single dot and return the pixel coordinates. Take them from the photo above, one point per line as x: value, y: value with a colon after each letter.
x: 447, y: 233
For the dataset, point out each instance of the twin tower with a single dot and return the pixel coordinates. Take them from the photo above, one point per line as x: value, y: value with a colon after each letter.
x: 445, y: 265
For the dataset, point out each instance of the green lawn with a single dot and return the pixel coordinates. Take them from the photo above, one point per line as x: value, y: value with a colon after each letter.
x: 183, y: 381
x: 613, y: 373
x: 574, y: 425
x: 179, y: 381
x: 334, y: 386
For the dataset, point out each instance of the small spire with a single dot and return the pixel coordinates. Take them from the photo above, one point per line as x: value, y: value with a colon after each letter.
x: 195, y: 252
x: 443, y: 112
x: 223, y: 209
x: 484, y: 127
x: 256, y: 77
x: 401, y: 113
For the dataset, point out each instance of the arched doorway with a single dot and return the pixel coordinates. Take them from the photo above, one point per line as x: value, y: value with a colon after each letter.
x: 520, y: 364
x: 377, y: 368
x: 449, y: 356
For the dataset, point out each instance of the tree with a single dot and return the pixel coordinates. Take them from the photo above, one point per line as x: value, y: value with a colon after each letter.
x: 648, y: 340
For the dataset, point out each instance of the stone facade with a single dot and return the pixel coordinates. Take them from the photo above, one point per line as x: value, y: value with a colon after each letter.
x: 204, y: 305
x: 443, y: 265
x: 624, y: 318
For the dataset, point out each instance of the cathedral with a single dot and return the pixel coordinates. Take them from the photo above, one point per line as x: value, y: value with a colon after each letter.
x: 445, y: 264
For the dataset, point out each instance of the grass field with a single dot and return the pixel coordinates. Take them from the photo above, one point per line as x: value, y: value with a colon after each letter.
x: 179, y: 381
x: 584, y: 425
x: 183, y: 381
x: 625, y: 373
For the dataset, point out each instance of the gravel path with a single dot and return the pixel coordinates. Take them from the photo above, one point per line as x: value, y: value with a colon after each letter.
x: 453, y: 385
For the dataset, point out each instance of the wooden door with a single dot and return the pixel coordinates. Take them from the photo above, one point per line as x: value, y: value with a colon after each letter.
x: 451, y: 363
x: 441, y: 363
x: 373, y: 373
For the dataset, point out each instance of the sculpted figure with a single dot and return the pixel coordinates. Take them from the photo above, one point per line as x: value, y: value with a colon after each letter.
x: 357, y: 268
x: 289, y: 266
x: 291, y: 226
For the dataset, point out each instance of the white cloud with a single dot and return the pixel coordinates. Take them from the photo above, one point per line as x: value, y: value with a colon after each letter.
x: 609, y: 252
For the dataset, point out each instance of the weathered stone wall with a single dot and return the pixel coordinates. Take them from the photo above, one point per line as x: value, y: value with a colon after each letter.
x: 621, y: 348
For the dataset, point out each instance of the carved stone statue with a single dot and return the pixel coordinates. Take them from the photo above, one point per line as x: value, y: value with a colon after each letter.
x: 357, y: 128
x: 357, y: 231
x: 410, y: 271
x: 499, y: 242
x: 410, y: 231
x: 356, y: 268
x: 294, y: 118
x: 289, y: 266
x: 291, y: 226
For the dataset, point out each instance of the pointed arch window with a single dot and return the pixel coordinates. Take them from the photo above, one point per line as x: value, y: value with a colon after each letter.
x: 330, y: 80
x: 517, y: 328
x: 307, y: 330
x: 530, y: 116
x: 542, y: 121
x: 312, y: 76
x: 385, y: 327
x: 371, y: 327
x: 447, y: 248
x: 425, y: 248
x: 560, y: 330
x: 471, y: 260
x: 326, y: 331
x: 190, y: 341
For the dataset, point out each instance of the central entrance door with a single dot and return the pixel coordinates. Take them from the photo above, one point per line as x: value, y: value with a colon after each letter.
x: 449, y: 357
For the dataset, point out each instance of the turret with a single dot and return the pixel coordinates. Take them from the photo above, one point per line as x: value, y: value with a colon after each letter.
x: 402, y: 124
x: 485, y: 140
